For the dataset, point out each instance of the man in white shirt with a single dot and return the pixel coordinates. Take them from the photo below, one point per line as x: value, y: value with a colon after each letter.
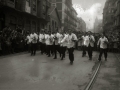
x: 48, y: 43
x: 56, y: 44
x: 103, y: 43
x: 71, y: 39
x: 34, y: 38
x: 90, y: 44
x: 52, y: 43
x: 83, y: 44
x: 42, y: 41
x: 28, y: 39
x: 63, y: 45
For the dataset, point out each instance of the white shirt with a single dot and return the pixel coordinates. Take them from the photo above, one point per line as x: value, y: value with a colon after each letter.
x: 47, y: 39
x: 52, y: 39
x: 69, y: 39
x: 83, y: 39
x: 28, y: 39
x: 86, y: 40
x: 91, y: 40
x: 102, y: 42
x: 41, y: 38
x: 34, y: 38
x: 57, y: 35
x: 60, y: 38
x: 64, y: 44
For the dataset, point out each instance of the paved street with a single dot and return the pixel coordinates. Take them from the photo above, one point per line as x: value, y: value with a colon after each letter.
x: 25, y: 72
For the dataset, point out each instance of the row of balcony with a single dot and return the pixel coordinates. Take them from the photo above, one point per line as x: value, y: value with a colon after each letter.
x: 70, y: 22
x: 20, y: 5
x: 70, y: 15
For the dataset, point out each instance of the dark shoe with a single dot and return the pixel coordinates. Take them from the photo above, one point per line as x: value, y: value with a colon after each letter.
x: 60, y: 55
x: 90, y: 58
x: 71, y: 63
x: 61, y: 58
x: 99, y: 59
x: 105, y: 59
x: 54, y: 58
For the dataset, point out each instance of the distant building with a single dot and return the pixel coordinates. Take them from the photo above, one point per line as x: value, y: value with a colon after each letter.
x: 67, y: 13
x: 98, y: 26
x: 32, y: 15
x: 81, y: 25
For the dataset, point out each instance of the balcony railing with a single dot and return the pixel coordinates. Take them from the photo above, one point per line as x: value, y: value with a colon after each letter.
x: 48, y: 18
x: 48, y: 4
x: 18, y: 5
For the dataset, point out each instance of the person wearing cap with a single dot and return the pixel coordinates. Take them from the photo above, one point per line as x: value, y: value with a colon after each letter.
x: 70, y: 39
x: 103, y: 43
x: 90, y: 44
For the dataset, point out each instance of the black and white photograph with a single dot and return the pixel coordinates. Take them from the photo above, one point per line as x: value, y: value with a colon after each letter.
x: 59, y: 44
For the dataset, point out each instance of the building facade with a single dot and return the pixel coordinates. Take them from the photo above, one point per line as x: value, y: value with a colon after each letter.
x: 67, y: 13
x: 30, y: 15
x: 55, y: 22
x: 111, y: 18
x: 98, y: 26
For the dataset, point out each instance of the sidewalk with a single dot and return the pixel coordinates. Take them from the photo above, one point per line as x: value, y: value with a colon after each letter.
x: 109, y: 75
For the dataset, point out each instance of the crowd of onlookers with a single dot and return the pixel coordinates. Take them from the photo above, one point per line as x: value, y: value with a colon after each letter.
x: 14, y: 41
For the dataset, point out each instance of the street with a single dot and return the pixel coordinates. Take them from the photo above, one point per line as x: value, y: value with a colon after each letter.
x: 25, y: 72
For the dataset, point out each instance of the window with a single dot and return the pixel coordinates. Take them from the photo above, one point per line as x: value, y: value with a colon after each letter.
x: 28, y: 3
x: 34, y: 5
x: 12, y: 0
x: 109, y: 11
x: 43, y: 7
x: 44, y: 2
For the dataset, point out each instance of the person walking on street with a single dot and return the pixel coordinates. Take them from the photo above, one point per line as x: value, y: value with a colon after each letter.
x: 71, y: 39
x: 103, y: 43
x: 84, y: 44
x: 90, y: 46
x: 34, y: 38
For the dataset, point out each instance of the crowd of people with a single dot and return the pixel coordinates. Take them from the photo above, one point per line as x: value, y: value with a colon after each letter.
x: 49, y: 43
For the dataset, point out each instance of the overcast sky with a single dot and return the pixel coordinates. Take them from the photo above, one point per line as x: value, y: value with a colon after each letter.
x: 88, y: 10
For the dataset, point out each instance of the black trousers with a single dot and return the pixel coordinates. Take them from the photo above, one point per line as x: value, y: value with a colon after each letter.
x: 48, y: 50
x: 90, y: 51
x: 42, y: 48
x: 101, y: 52
x: 52, y: 49
x: 63, y: 50
x: 56, y: 49
x: 33, y: 48
x: 84, y: 50
x: 71, y: 55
